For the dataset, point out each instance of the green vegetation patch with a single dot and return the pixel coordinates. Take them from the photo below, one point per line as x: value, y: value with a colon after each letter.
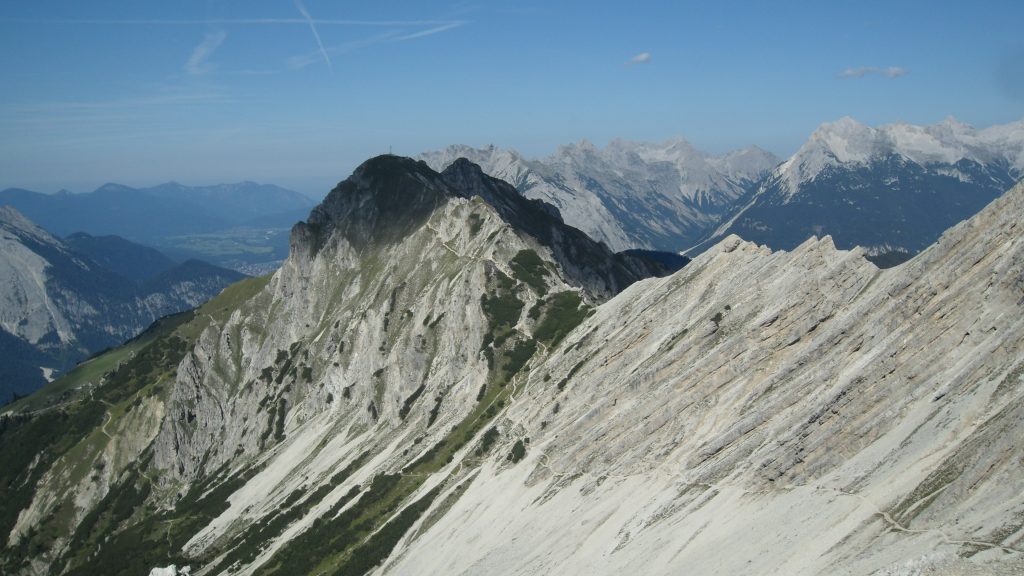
x: 435, y: 410
x: 147, y: 537
x: 122, y: 534
x: 517, y: 357
x: 407, y: 405
x: 563, y: 313
x: 323, y: 548
x: 30, y: 443
x: 487, y: 441
x: 475, y: 223
x: 529, y: 268
x: 378, y: 547
x: 572, y: 372
x: 502, y: 310
x: 518, y: 451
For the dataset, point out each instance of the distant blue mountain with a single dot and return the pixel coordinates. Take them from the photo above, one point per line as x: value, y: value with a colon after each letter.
x: 133, y: 261
x: 152, y: 214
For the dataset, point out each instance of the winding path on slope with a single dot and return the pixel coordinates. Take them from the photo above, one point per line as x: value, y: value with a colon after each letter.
x: 896, y: 525
x: 108, y: 417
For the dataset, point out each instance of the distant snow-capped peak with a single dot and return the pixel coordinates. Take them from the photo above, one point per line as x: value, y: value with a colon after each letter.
x: 847, y: 141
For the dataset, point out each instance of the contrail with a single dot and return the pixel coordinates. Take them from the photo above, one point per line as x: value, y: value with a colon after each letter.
x: 431, y: 31
x: 229, y: 21
x: 312, y: 26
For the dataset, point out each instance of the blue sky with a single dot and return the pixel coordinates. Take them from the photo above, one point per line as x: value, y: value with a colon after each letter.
x: 298, y: 93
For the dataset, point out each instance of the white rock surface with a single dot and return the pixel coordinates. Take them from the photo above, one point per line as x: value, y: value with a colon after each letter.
x: 26, y: 308
x: 833, y: 420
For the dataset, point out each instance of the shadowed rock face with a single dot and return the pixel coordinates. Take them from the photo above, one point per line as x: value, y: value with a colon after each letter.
x: 388, y: 197
x: 589, y: 263
x: 385, y: 198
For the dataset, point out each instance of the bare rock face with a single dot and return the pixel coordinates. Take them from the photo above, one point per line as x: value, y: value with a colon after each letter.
x: 378, y: 334
x: 804, y: 411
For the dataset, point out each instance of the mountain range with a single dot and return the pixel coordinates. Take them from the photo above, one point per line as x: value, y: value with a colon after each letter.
x: 229, y: 224
x: 61, y: 301
x: 892, y: 190
x: 443, y: 377
x: 630, y: 194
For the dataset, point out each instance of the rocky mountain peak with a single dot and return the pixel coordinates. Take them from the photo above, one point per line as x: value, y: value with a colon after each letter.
x: 468, y: 179
x: 382, y: 201
x: 387, y: 198
x: 386, y: 409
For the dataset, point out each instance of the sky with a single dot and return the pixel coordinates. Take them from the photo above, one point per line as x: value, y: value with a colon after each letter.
x: 299, y: 92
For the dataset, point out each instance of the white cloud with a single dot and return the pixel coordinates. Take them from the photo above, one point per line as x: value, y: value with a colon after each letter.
x: 857, y: 72
x: 197, y: 62
x: 641, y: 58
x: 862, y: 71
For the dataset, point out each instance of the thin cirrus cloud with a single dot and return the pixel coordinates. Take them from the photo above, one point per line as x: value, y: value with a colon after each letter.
x: 430, y: 31
x: 198, y: 62
x: 862, y: 71
x: 144, y: 102
x: 641, y: 58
